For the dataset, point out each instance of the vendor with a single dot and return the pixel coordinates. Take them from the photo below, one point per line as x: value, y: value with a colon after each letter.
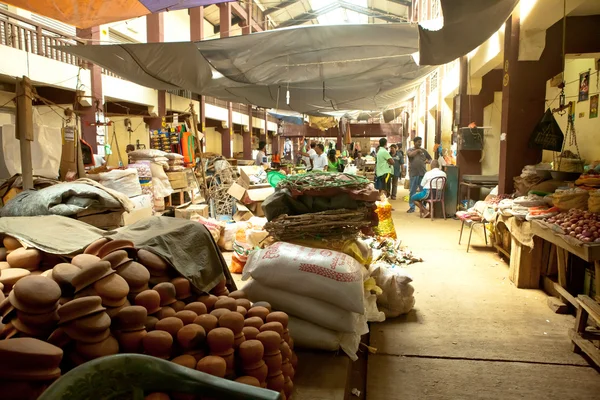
x: 261, y: 157
x: 384, y: 168
x: 333, y: 163
x: 429, y: 176
x: 320, y: 162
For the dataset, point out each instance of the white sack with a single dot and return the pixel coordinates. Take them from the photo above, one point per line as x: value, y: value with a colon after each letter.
x: 321, y: 274
x: 46, y: 148
x: 397, y: 297
x: 161, y: 186
x: 125, y: 181
x: 372, y: 313
x: 312, y: 310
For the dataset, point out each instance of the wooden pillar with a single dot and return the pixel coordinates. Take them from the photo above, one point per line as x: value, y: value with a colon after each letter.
x: 155, y: 33
x: 275, y: 148
x: 264, y: 136
x: 225, y: 23
x: 248, y: 136
x: 197, y: 34
x: 88, y: 114
x: 24, y: 131
x: 438, y: 121
x: 227, y: 134
x: 426, y: 120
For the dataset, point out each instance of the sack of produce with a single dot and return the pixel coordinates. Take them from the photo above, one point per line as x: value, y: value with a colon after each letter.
x: 386, y: 223
x: 571, y: 198
x: 355, y: 248
x: 312, y: 310
x: 397, y: 297
x: 322, y: 274
x: 310, y: 336
x: 124, y: 181
x: 594, y: 201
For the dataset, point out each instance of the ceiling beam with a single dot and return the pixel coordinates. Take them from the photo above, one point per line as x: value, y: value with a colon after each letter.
x: 239, y: 15
x: 279, y: 7
x: 302, y: 18
x: 407, y: 3
x: 372, y: 12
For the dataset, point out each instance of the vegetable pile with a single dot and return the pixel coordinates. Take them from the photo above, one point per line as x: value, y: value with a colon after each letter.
x: 582, y: 225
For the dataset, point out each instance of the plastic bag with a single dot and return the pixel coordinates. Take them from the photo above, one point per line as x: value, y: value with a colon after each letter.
x: 321, y: 274
x: 124, y: 181
x: 398, y: 294
x: 372, y: 313
x: 386, y: 223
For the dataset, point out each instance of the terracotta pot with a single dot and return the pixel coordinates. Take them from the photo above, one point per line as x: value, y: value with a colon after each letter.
x: 251, y: 352
x: 150, y: 300
x: 220, y: 340
x: 132, y: 318
x: 207, y: 321
x: 182, y: 287
x: 167, y: 293
x: 158, y: 344
x: 263, y: 304
x: 209, y: 301
x: 63, y: 274
x: 186, y: 316
x: 91, y: 351
x: 85, y: 260
x: 191, y: 336
x: 197, y: 307
x: 86, y: 337
x: 218, y: 312
x: 260, y: 312
x: 29, y: 259
x: 238, y: 294
x: 2, y: 253
x: 8, y: 277
x: 233, y: 321
x: 29, y: 359
x: 113, y: 311
x: 113, y: 289
x: 115, y: 245
x: 150, y: 323
x: 131, y: 342
x: 11, y: 243
x: 185, y: 361
x: 276, y: 382
x: 287, y: 369
x: 273, y: 326
x: 169, y: 324
x: 286, y: 352
x: 248, y: 380
x: 28, y: 330
x: 198, y: 354
x: 43, y: 321
x: 155, y: 280
x: 91, y: 324
x: 241, y: 310
x: 117, y: 258
x: 260, y: 372
x: 136, y: 275
x: 4, y: 265
x: 212, y: 365
x: 288, y: 386
x: 294, y: 360
x: 271, y: 341
x: 35, y: 294
x: 255, y: 322
x: 94, y: 247
x: 152, y: 261
x: 165, y: 312
x: 250, y: 332
x: 59, y: 338
x: 91, y: 274
x: 80, y: 308
x: 178, y: 306
x: 227, y: 303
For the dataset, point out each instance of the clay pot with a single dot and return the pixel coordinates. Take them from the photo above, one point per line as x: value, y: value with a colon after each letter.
x: 167, y: 293
x: 259, y: 311
x: 59, y: 338
x: 286, y: 352
x: 251, y: 352
x: 29, y: 359
x: 288, y: 386
x: 158, y: 344
x: 150, y: 300
x: 273, y: 326
x: 63, y: 274
x: 4, y: 265
x: 227, y: 303
x: 235, y: 322
x: 115, y: 245
x: 278, y: 316
x: 94, y: 247
x: 91, y: 274
x: 28, y: 259
x: 169, y: 324
x: 39, y: 320
x: 263, y: 304
x: 256, y: 322
x: 220, y: 289
x: 10, y: 276
x: 220, y: 340
x: 113, y: 311
x: 28, y: 330
x: 135, y: 274
x: 287, y: 369
x: 157, y: 396
x: 2, y: 253
x: 185, y: 361
x: 178, y: 306
x: 85, y: 260
x: 238, y: 294
x: 117, y: 258
x: 218, y: 312
x: 294, y: 360
x: 131, y: 342
x: 91, y: 351
x: 182, y: 287
x: 10, y: 243
x: 250, y: 332
x: 165, y: 312
x: 242, y: 311
x: 113, y: 289
x: 198, y: 354
x: 133, y: 294
x: 80, y: 308
x: 244, y: 303
x: 186, y: 316
x: 132, y: 318
x: 92, y: 324
x: 248, y: 380
x: 207, y: 321
x: 191, y: 336
x: 35, y: 294
x: 84, y: 337
x: 271, y: 341
x: 155, y: 280
x: 212, y: 365
x: 209, y: 301
x: 150, y: 322
x: 197, y: 307
x: 153, y: 262
x: 276, y: 382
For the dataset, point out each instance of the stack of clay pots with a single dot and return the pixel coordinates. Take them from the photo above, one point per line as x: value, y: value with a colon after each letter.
x: 115, y: 299
x: 27, y: 367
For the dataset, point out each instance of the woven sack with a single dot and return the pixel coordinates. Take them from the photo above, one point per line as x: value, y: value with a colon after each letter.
x: 594, y: 201
x: 571, y: 165
x: 567, y: 201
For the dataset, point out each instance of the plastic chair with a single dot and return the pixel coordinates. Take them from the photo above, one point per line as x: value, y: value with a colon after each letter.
x: 435, y: 196
x: 471, y: 223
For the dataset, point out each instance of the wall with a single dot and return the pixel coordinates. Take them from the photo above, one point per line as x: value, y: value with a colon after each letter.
x: 177, y: 26
x: 587, y: 130
x: 213, y: 141
x: 140, y: 132
x: 492, y: 117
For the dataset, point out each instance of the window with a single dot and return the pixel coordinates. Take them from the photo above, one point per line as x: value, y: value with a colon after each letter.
x: 68, y: 30
x: 117, y: 37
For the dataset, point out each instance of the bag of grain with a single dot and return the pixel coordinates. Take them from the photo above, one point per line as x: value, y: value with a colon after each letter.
x: 571, y: 198
x: 594, y: 201
x: 322, y: 274
x: 398, y: 294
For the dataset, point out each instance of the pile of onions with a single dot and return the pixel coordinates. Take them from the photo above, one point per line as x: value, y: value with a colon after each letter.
x: 582, y: 225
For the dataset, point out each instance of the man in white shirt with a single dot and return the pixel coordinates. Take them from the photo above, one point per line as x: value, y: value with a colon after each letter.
x: 426, y: 182
x: 320, y: 160
x: 310, y: 156
x: 261, y: 157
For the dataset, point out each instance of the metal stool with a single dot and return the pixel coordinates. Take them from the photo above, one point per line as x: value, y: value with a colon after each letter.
x: 471, y: 223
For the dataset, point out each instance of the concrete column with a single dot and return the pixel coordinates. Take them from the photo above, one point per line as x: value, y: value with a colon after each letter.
x: 225, y: 23
x: 197, y: 34
x: 248, y: 136
x: 264, y: 136
x: 88, y: 117
x: 155, y: 33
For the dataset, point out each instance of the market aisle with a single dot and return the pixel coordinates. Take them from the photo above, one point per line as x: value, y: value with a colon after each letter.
x: 472, y: 334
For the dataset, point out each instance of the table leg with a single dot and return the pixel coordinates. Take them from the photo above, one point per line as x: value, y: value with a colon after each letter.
x: 597, y: 280
x: 562, y: 257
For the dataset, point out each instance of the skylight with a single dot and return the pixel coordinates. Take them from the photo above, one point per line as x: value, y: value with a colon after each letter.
x: 340, y: 15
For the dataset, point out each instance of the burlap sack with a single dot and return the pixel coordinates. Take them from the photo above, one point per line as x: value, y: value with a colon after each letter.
x: 594, y: 201
x: 567, y: 201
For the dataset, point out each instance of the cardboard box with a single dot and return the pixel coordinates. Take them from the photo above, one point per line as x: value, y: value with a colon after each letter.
x: 242, y: 213
x: 236, y: 191
x: 259, y: 194
x: 178, y: 179
x: 186, y: 213
x: 247, y: 172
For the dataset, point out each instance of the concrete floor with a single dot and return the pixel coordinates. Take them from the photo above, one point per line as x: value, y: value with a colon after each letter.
x: 472, y: 334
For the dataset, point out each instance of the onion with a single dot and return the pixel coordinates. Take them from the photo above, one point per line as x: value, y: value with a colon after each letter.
x: 586, y: 240
x: 597, y: 240
x: 572, y: 234
x: 578, y: 229
x: 586, y: 233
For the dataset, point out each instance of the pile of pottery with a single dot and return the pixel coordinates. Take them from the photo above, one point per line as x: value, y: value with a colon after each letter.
x: 116, y: 299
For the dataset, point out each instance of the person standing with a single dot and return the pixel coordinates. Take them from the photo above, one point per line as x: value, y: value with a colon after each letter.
x: 261, y: 157
x: 398, y: 158
x: 320, y: 161
x: 310, y: 156
x: 384, y: 168
x: 333, y: 163
x: 417, y: 159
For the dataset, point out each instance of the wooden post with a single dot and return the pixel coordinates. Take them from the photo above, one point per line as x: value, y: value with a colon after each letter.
x: 24, y: 132
x: 201, y: 162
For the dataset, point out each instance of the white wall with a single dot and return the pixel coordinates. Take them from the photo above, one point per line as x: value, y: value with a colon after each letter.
x: 177, y: 26
x: 492, y: 117
x: 213, y: 141
x: 140, y: 132
x: 587, y: 130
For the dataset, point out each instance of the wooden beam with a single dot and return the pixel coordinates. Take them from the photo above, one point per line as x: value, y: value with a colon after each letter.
x: 302, y: 18
x: 24, y: 131
x: 406, y: 3
x: 280, y: 7
x: 586, y: 346
x: 196, y: 23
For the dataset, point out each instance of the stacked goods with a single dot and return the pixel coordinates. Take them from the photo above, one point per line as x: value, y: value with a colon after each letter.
x: 582, y: 226
x: 144, y: 174
x: 124, y: 181
x: 175, y: 162
x: 568, y: 199
x: 114, y: 298
x: 594, y: 201
x: 322, y: 291
x: 159, y: 163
